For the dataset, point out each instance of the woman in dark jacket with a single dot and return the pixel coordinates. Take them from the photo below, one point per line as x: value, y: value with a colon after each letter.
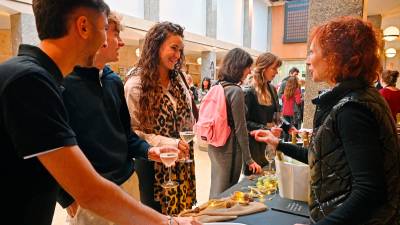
x: 262, y: 102
x: 354, y: 151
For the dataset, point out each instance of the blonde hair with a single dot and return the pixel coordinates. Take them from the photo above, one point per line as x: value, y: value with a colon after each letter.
x: 116, y: 19
x: 263, y: 62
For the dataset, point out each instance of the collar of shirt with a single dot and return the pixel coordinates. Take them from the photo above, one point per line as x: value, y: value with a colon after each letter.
x: 43, y: 59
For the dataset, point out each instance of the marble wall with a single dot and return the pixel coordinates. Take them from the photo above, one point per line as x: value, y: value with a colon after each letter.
x: 321, y: 11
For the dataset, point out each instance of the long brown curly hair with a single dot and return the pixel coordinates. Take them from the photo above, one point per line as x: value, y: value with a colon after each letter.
x: 263, y: 62
x: 292, y: 85
x: 147, y: 69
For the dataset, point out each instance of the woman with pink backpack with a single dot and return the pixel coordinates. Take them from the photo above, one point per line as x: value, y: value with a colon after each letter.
x: 226, y: 160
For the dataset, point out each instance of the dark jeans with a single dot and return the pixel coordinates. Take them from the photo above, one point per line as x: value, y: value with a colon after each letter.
x: 145, y: 172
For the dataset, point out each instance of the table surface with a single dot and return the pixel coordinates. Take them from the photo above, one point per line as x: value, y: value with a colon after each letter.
x: 268, y: 217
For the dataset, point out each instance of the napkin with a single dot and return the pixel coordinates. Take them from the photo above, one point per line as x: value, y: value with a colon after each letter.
x: 209, y: 213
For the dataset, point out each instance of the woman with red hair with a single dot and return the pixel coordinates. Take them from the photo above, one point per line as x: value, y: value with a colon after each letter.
x: 354, y: 153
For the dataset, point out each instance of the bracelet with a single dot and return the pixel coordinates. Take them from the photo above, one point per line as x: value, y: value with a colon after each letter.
x: 169, y: 220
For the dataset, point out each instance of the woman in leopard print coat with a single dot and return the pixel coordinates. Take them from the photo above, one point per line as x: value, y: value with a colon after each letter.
x: 160, y: 107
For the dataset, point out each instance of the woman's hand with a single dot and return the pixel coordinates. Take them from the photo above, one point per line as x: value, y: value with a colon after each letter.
x: 255, y: 168
x: 183, y: 149
x: 154, y: 152
x: 265, y: 136
x: 276, y: 131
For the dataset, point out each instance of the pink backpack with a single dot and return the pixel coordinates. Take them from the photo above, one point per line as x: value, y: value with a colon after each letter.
x: 213, y: 125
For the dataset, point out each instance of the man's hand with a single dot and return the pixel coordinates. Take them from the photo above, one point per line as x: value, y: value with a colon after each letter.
x: 185, y: 221
x: 154, y: 152
x: 72, y: 209
x: 265, y: 136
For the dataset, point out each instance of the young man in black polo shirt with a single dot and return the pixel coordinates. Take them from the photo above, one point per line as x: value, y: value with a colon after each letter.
x: 38, y: 146
x: 98, y: 114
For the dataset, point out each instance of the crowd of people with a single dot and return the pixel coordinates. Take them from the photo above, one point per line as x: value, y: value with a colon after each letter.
x: 75, y: 133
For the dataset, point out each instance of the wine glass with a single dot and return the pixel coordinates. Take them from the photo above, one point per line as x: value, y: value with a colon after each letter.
x: 270, y: 156
x: 168, y: 160
x: 277, y: 119
x: 187, y: 135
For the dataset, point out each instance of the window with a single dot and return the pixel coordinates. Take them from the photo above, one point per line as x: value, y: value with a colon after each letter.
x: 296, y: 21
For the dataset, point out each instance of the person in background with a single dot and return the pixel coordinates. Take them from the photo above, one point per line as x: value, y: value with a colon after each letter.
x: 390, y: 92
x: 354, y: 154
x: 193, y: 89
x: 291, y: 100
x: 204, y: 87
x: 262, y: 103
x: 293, y: 72
x: 227, y: 160
x: 94, y: 99
x: 39, y: 148
x: 157, y: 90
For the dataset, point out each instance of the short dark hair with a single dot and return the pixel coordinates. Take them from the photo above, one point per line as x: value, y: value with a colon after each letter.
x: 233, y: 65
x: 390, y: 77
x: 294, y: 69
x: 52, y: 17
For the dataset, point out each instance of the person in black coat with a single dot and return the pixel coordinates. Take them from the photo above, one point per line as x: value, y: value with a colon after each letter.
x: 262, y: 103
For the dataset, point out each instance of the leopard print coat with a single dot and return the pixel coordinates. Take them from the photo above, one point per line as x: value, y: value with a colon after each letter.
x: 169, y: 121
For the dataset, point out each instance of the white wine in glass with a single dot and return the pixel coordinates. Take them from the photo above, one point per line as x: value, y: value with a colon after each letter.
x: 168, y: 159
x: 270, y: 156
x: 187, y: 136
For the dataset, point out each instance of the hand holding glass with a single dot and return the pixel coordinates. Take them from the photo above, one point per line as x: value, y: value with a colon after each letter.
x: 187, y: 136
x: 168, y: 159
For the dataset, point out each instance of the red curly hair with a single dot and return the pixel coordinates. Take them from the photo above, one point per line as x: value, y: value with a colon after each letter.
x: 351, y: 49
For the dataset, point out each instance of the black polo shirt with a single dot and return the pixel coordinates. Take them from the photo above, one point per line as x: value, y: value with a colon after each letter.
x: 33, y: 121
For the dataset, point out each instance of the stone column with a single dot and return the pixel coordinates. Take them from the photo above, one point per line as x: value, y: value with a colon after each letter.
x: 208, y: 64
x: 269, y: 29
x: 376, y: 20
x: 211, y: 18
x: 152, y: 10
x: 23, y: 31
x: 247, y: 23
x: 321, y: 11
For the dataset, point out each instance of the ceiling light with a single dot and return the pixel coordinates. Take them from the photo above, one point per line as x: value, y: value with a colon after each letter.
x: 391, y: 33
x: 137, y: 52
x: 390, y: 52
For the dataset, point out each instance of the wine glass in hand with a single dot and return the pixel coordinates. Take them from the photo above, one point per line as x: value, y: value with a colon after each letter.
x: 187, y: 136
x: 270, y: 156
x: 169, y: 159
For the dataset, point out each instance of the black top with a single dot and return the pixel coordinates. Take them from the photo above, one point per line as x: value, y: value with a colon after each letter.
x: 368, y: 189
x: 33, y: 120
x: 257, y: 115
x: 99, y: 115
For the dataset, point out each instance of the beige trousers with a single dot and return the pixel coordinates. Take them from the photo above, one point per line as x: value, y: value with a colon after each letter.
x: 86, y: 217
